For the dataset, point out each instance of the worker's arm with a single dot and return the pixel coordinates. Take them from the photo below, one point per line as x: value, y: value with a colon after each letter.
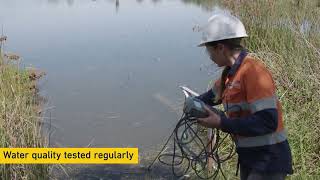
x: 210, y: 97
x: 260, y: 123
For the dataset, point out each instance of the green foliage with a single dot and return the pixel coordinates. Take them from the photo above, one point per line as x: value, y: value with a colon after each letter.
x: 285, y: 35
x: 19, y: 121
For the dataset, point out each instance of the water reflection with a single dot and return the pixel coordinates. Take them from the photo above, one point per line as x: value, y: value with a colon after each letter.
x: 155, y: 1
x: 112, y: 77
x: 70, y: 2
x: 117, y: 5
x: 100, y: 63
x: 204, y: 4
x: 53, y: 1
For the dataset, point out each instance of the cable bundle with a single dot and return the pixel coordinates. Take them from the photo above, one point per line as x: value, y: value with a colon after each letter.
x: 190, y: 150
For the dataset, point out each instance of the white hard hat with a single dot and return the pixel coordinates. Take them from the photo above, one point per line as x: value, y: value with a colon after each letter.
x: 222, y: 26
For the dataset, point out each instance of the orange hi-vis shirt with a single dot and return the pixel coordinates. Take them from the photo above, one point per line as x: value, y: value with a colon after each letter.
x: 254, y: 116
x: 251, y: 89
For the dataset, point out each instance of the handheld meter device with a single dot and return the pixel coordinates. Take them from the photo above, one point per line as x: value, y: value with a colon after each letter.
x: 195, y: 108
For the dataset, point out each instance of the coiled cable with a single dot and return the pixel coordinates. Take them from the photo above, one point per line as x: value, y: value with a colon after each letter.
x: 191, y: 151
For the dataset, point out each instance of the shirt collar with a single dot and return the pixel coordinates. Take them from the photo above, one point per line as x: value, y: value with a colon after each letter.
x: 237, y: 63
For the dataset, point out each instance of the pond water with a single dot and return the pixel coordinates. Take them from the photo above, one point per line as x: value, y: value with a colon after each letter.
x: 113, y: 67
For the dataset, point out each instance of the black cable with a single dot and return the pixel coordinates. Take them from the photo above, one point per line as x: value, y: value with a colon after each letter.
x: 186, y: 137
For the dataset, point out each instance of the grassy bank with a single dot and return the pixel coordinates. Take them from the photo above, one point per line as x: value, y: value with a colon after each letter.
x: 286, y: 36
x: 19, y: 120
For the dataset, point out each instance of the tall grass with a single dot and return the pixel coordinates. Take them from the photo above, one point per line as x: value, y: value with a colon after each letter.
x: 19, y: 120
x: 285, y: 35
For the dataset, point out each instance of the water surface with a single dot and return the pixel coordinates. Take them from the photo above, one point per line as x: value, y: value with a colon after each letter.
x: 113, y: 69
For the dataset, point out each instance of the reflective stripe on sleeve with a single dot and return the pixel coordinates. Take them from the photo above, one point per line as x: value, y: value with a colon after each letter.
x: 264, y: 140
x: 266, y: 103
x: 235, y: 107
x: 258, y: 105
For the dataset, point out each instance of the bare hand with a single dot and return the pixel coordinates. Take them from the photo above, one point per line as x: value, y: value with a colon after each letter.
x: 212, y: 121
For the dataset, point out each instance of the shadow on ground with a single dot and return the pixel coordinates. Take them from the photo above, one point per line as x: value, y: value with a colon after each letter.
x: 119, y: 172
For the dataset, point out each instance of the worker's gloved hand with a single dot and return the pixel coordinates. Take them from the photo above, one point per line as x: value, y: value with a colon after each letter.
x: 213, y: 120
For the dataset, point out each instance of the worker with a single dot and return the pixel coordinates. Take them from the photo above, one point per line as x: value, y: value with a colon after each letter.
x: 248, y: 93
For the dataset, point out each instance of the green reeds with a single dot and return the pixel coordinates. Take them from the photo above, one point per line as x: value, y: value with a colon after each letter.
x: 19, y: 120
x: 285, y: 35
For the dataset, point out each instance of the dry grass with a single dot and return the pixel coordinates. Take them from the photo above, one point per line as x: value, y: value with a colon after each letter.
x: 19, y: 120
x: 286, y: 35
